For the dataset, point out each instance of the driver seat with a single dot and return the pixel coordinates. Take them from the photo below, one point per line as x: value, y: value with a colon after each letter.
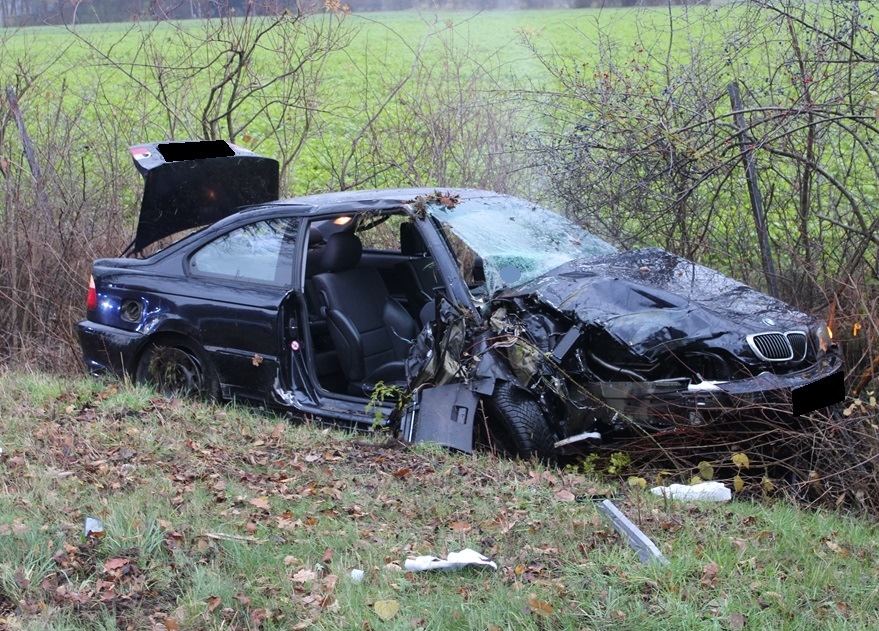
x: 371, y: 331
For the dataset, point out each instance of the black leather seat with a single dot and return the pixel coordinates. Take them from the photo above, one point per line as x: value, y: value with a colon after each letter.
x: 372, y: 332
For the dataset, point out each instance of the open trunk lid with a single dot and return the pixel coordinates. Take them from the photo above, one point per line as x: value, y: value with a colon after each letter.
x: 196, y: 183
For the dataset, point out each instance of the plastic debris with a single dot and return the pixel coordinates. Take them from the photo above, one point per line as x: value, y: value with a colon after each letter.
x: 356, y: 575
x: 704, y: 491
x: 639, y: 542
x: 454, y: 561
x: 94, y: 527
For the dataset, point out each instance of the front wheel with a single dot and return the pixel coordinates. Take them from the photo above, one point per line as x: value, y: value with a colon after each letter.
x: 518, y: 423
x: 176, y: 369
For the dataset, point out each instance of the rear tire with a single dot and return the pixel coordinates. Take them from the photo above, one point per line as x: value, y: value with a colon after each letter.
x: 178, y: 368
x: 518, y: 423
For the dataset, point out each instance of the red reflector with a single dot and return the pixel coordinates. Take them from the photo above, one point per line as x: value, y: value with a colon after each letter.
x: 91, y: 301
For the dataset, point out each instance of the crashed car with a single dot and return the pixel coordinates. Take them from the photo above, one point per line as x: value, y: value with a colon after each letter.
x: 457, y: 316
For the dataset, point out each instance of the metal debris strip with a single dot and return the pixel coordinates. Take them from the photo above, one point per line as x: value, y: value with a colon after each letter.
x: 641, y: 543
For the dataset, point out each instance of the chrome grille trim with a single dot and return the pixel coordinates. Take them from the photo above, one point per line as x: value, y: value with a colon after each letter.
x: 799, y: 344
x: 771, y: 346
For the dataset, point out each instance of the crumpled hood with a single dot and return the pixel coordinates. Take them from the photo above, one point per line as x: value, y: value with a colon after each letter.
x: 654, y: 301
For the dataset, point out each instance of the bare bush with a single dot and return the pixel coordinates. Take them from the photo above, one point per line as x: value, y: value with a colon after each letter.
x: 643, y: 144
x: 250, y: 78
x: 642, y: 141
x: 444, y: 121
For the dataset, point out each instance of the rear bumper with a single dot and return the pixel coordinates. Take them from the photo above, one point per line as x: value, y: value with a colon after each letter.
x: 106, y: 349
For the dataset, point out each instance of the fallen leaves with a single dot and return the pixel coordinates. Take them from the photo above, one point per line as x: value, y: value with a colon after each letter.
x: 709, y: 575
x: 564, y: 495
x: 386, y: 609
x: 261, y: 503
x: 304, y: 576
x: 540, y: 607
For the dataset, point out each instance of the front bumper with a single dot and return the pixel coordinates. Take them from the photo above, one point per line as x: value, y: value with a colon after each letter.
x: 108, y: 349
x: 679, y: 402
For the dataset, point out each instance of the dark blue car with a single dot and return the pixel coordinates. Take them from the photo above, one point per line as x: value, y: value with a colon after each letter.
x: 451, y: 314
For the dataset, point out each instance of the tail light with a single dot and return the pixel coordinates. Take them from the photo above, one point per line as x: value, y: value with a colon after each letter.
x: 91, y: 301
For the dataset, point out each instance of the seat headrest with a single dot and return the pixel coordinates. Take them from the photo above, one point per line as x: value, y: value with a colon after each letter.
x: 315, y: 236
x: 411, y: 242
x: 342, y: 252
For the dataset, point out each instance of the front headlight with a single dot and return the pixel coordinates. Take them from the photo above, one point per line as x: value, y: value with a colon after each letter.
x: 823, y: 337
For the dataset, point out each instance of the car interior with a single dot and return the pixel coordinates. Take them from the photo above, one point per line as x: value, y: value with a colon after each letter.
x: 369, y: 288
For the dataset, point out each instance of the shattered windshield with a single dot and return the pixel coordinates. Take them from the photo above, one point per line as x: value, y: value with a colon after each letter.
x: 516, y: 240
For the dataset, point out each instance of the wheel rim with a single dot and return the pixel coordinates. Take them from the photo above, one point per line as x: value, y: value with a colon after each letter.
x: 175, y: 372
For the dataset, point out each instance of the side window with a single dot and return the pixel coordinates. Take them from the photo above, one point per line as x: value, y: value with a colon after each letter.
x: 260, y: 252
x: 382, y: 233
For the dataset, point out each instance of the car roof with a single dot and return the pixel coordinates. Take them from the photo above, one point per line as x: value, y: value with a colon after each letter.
x: 375, y: 199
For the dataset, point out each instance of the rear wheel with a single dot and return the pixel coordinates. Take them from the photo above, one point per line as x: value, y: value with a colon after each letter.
x: 517, y: 422
x: 178, y: 368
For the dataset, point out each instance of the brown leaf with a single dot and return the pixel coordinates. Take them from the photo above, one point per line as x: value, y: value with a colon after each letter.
x: 460, y: 526
x: 327, y: 557
x: 260, y: 502
x: 709, y: 573
x: 213, y: 602
x: 399, y: 473
x: 304, y: 575
x: 564, y: 495
x: 171, y: 625
x: 838, y: 549
x: 736, y: 621
x: 115, y: 564
x: 540, y: 607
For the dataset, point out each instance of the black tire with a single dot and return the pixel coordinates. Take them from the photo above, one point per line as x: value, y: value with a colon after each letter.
x: 518, y: 424
x: 178, y: 368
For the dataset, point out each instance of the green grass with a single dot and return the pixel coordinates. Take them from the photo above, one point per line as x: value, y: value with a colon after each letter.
x: 222, y: 517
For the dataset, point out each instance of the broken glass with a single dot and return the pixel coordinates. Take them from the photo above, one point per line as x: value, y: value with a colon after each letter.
x: 517, y: 241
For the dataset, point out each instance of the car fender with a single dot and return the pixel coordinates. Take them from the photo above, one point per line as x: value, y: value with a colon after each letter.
x: 169, y: 323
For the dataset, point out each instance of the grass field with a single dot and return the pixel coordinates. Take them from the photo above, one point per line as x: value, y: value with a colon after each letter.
x: 221, y: 518
x: 72, y: 78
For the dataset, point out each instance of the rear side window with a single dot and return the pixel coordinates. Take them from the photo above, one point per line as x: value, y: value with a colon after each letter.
x: 260, y: 252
